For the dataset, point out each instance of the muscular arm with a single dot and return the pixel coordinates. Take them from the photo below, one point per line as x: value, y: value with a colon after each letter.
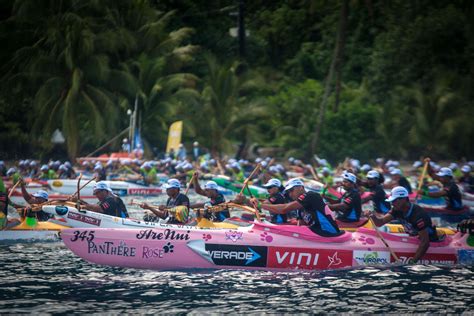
x: 338, y: 207
x: 28, y: 198
x: 424, y: 245
x: 380, y: 221
x: 197, y: 187
x: 281, y: 208
x: 437, y: 194
x: 93, y: 207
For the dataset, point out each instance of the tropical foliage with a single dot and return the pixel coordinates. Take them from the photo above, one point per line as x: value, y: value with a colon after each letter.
x: 335, y: 78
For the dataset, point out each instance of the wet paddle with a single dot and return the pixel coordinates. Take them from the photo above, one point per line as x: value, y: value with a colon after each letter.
x: 189, y: 184
x: 79, y: 189
x: 383, y: 240
x: 422, y: 177
x: 246, y: 181
x: 14, y: 187
x: 78, y: 203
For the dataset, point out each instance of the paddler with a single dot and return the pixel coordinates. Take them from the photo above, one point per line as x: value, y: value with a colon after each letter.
x: 109, y: 203
x: 413, y: 218
x: 326, y: 177
x: 467, y: 180
x: 377, y: 195
x: 275, y: 190
x: 3, y: 209
x: 236, y: 171
x: 149, y: 173
x: 311, y: 205
x: 399, y: 180
x: 175, y: 198
x: 450, y: 190
x: 349, y: 207
x: 38, y: 197
x: 211, y: 190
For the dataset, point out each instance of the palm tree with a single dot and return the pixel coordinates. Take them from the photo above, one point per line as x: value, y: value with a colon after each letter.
x: 71, y: 67
x: 435, y: 115
x: 228, y: 107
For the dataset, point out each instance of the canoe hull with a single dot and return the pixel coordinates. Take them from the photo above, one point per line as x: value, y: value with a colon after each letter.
x: 258, y: 247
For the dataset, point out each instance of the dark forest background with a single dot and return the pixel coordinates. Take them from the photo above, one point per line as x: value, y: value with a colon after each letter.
x: 334, y: 78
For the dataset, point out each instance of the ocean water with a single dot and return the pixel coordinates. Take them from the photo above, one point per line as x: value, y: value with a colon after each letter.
x: 48, y: 278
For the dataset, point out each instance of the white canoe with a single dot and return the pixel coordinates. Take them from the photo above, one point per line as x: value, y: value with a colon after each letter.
x: 120, y: 188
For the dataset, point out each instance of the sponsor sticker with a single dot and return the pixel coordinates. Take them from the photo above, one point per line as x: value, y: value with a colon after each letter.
x: 84, y: 218
x: 308, y: 258
x: 363, y: 257
x: 57, y: 183
x: 233, y: 235
x: 429, y: 258
x: 236, y: 255
x: 141, y: 191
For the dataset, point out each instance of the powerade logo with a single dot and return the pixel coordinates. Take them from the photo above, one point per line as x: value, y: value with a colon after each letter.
x: 371, y: 257
x: 236, y: 255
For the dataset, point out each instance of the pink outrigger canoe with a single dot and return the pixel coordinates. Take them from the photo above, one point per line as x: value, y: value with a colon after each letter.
x: 261, y: 246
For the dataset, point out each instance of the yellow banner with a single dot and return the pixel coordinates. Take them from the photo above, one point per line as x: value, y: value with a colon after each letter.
x: 174, y: 136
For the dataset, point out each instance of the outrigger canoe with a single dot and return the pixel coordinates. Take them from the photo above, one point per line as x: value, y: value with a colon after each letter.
x: 72, y: 217
x: 236, y: 187
x: 120, y: 188
x: 261, y: 246
x: 26, y: 232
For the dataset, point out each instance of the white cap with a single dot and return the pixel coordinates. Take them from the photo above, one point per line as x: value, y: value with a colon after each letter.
x: 365, y: 167
x: 372, y: 174
x: 397, y: 192
x: 445, y: 172
x: 195, y: 144
x: 355, y: 163
x: 466, y: 168
x: 172, y: 184
x: 211, y: 185
x: 326, y: 169
x: 295, y: 182
x: 395, y: 172
x: 41, y: 194
x: 102, y: 186
x: 349, y: 177
x: 44, y: 168
x: 272, y: 183
x: 417, y: 164
x: 453, y: 166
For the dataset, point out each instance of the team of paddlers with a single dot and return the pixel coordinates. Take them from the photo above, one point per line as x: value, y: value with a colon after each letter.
x: 289, y: 203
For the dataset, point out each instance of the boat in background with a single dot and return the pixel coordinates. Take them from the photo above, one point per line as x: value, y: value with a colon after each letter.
x: 120, y: 188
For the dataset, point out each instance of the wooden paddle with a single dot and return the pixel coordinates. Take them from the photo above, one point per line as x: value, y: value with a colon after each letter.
x: 189, y: 184
x: 422, y: 176
x: 79, y: 189
x: 78, y: 203
x: 383, y: 239
x: 246, y: 182
x: 14, y: 187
